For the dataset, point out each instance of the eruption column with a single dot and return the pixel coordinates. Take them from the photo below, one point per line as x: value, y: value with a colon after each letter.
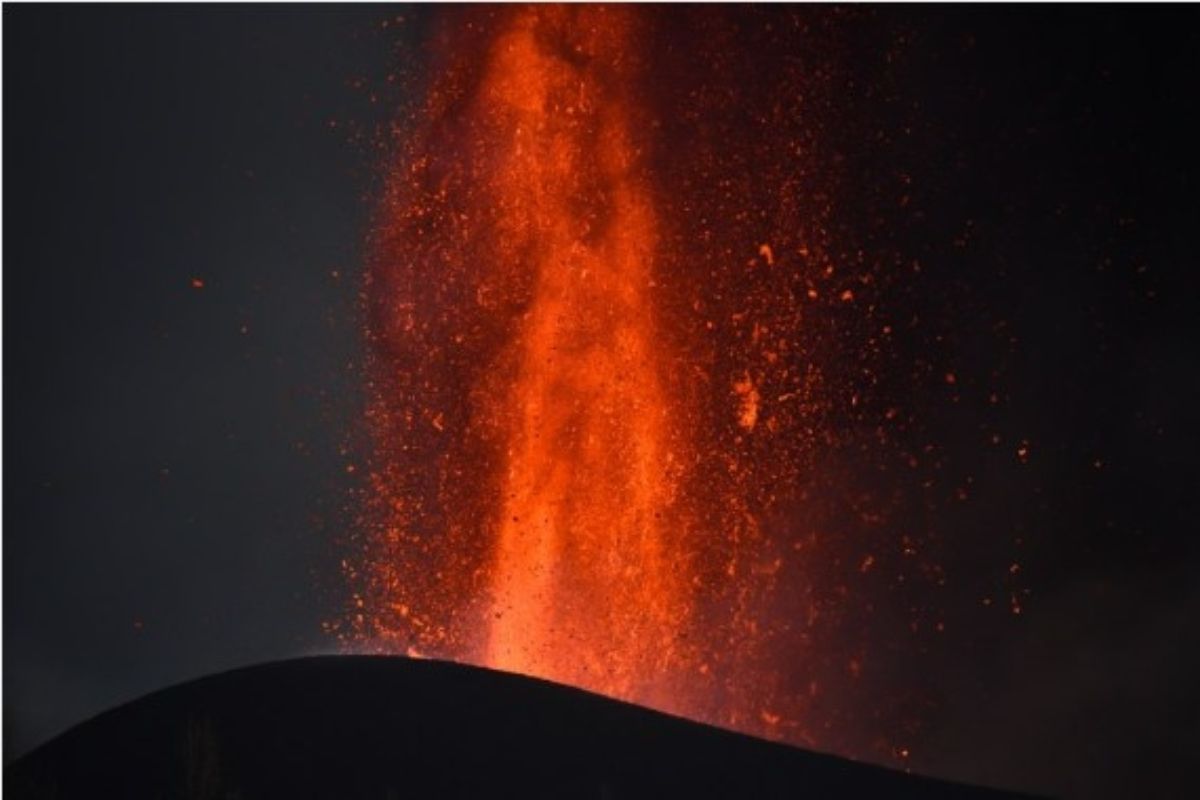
x: 525, y: 449
x: 625, y: 431
x: 581, y: 580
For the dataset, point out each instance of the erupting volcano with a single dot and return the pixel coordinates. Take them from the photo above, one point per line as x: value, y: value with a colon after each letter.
x: 615, y: 367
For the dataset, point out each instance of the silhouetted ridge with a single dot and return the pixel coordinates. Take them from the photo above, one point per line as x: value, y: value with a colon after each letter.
x: 378, y: 727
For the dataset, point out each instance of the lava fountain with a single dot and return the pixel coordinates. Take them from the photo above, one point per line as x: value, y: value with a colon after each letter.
x: 528, y: 200
x: 604, y: 315
x: 582, y: 585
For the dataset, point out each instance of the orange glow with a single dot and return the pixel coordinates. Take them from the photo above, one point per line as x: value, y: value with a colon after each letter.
x: 541, y: 225
x: 613, y: 399
x: 581, y: 580
x: 539, y: 500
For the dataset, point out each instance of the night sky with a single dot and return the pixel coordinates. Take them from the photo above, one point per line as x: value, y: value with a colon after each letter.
x: 187, y: 194
x: 174, y: 450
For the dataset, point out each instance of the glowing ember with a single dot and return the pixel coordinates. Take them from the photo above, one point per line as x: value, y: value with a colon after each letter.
x: 622, y: 369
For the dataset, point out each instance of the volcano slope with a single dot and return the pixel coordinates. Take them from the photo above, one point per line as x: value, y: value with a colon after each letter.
x: 380, y: 727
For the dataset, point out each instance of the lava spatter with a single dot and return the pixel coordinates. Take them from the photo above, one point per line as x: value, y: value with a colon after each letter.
x: 624, y: 382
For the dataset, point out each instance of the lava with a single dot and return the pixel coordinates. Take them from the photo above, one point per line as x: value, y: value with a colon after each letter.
x: 627, y: 376
x: 582, y: 582
x: 542, y: 223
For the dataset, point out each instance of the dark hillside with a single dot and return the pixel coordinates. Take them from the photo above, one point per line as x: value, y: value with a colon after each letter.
x: 361, y: 726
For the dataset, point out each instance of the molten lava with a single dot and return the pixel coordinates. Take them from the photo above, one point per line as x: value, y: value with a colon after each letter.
x: 581, y: 579
x: 624, y: 378
x: 540, y: 218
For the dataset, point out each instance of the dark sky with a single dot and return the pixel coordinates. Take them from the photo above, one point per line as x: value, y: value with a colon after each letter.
x: 174, y: 483
x: 171, y: 452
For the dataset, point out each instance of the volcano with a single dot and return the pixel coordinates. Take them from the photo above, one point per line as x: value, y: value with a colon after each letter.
x: 375, y: 726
